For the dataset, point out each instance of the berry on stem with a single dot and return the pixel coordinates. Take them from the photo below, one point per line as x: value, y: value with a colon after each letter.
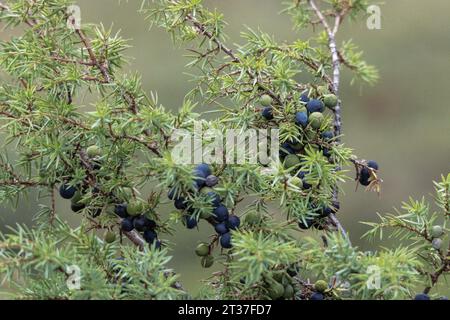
x: 225, y: 241
x: 233, y: 222
x: 267, y: 113
x: 127, y: 224
x: 66, y: 191
x: 221, y: 213
x: 315, y: 106
x: 301, y: 119
x: 221, y: 228
x: 202, y: 250
x: 265, y: 100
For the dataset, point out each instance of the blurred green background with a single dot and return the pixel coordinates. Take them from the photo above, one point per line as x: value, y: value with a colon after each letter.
x: 403, y: 121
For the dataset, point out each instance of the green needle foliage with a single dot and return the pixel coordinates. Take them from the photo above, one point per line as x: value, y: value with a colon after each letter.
x: 118, y: 152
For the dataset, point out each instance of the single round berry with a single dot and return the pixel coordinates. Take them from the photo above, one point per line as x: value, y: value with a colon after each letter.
x: 437, y: 231
x: 317, y: 296
x: 267, y: 113
x: 121, y: 210
x: 372, y: 164
x: 94, y: 151
x: 135, y: 208
x: 66, y: 191
x: 291, y: 161
x: 207, y: 262
x: 200, y: 177
x: 190, y: 222
x: 330, y: 100
x: 364, y: 176
x: 233, y: 222
x: 172, y: 194
x: 265, y: 100
x: 211, y: 181
x: 321, y: 286
x: 143, y: 223
x: 150, y: 236
x: 304, y: 98
x: 203, y: 167
x: 315, y: 106
x: 437, y: 243
x: 180, y: 203
x: 301, y: 119
x: 225, y: 241
x: 202, y: 249
x: 215, y: 199
x: 221, y: 213
x: 315, y: 120
x: 288, y: 292
x: 296, y: 182
x: 110, y: 237
x: 221, y: 228
x: 275, y: 290
x: 327, y: 135
x: 77, y: 207
x: 127, y: 224
x: 422, y: 296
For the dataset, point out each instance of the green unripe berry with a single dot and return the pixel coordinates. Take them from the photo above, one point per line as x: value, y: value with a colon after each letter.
x: 321, y: 286
x: 330, y: 100
x: 322, y: 90
x: 135, y: 208
x: 278, y: 276
x: 296, y: 182
x: 275, y: 290
x: 77, y: 197
x: 207, y: 261
x: 94, y: 151
x: 288, y: 292
x: 110, y: 237
x: 202, y: 249
x: 265, y: 100
x: 437, y: 243
x: 205, y: 190
x: 436, y: 231
x: 291, y: 161
x: 252, y: 218
x: 315, y: 120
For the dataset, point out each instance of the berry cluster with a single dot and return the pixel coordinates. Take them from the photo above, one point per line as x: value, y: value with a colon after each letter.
x: 132, y: 214
x: 310, y: 119
x: 218, y: 216
x: 279, y: 285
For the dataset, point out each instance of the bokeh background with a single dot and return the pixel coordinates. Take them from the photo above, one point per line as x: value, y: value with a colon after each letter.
x: 403, y: 121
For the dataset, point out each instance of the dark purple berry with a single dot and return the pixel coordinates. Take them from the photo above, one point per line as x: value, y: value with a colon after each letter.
x: 233, y: 222
x: 211, y: 181
x: 215, y: 198
x: 190, y: 222
x: 221, y: 213
x: 127, y: 224
x: 77, y: 207
x: 204, y: 168
x: 180, y: 203
x: 315, y: 106
x: 221, y: 228
x: 304, y: 98
x: 143, y: 223
x: 372, y: 164
x: 301, y: 119
x: 317, y: 296
x: 121, y: 210
x: 422, y: 296
x: 66, y: 191
x: 267, y: 113
x: 225, y: 241
x: 150, y: 236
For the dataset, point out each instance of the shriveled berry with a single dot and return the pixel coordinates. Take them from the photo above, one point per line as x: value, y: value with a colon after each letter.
x: 221, y: 228
x: 315, y: 105
x: 233, y: 222
x: 211, y: 181
x: 221, y: 213
x: 66, y: 191
x: 265, y: 100
x: 225, y: 241
x: 202, y: 249
x: 267, y: 113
